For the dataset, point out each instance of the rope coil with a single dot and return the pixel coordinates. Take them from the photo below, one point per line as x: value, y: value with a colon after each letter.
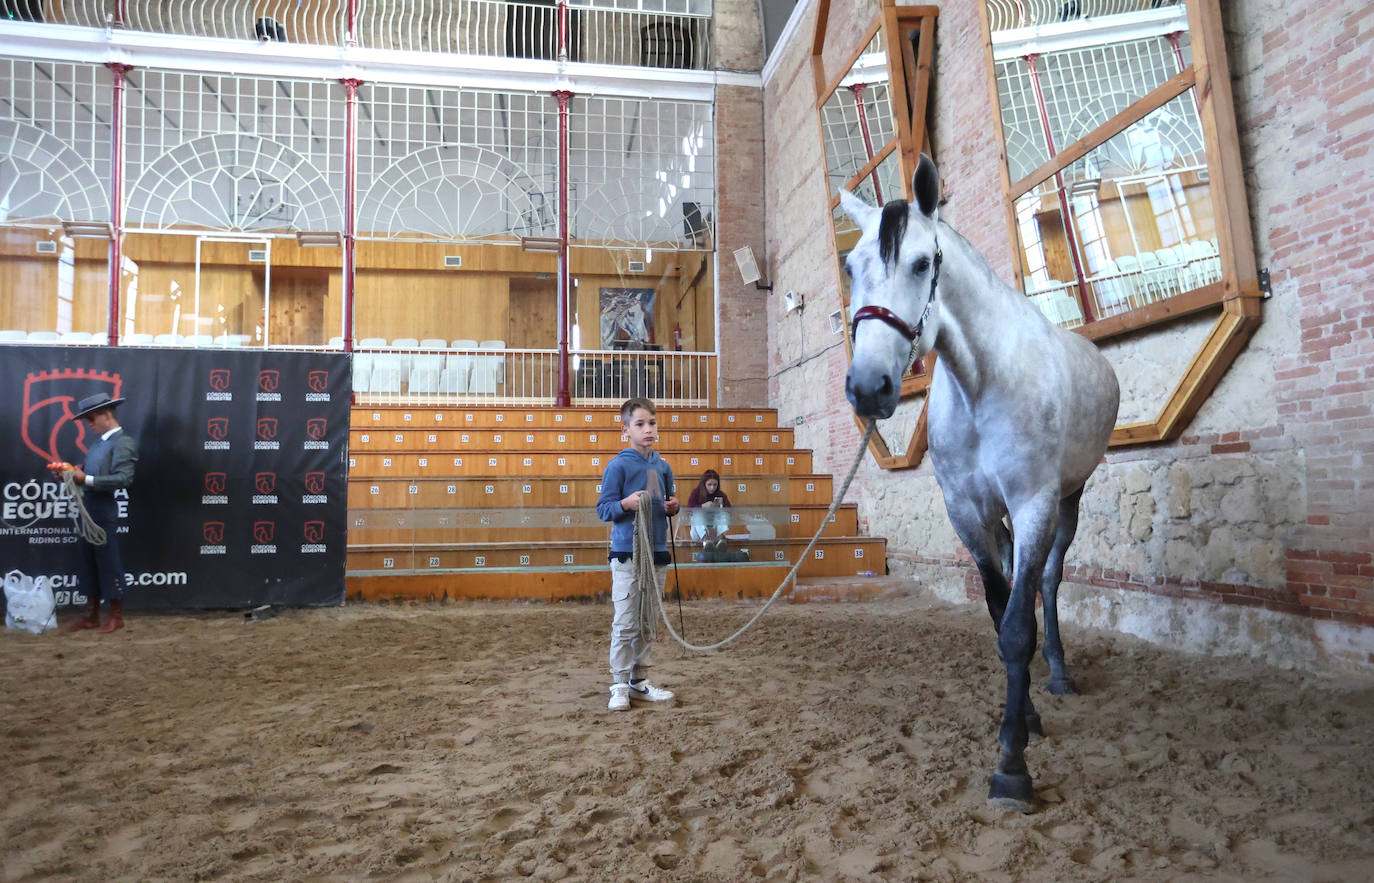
x: 82, y: 522
x: 644, y: 559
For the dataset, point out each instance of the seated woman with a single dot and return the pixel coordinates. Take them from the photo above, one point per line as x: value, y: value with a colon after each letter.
x: 708, y: 504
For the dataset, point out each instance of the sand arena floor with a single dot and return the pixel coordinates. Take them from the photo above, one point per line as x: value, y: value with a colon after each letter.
x: 836, y: 742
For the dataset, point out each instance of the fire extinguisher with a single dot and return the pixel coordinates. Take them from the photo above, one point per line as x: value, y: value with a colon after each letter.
x: 677, y: 338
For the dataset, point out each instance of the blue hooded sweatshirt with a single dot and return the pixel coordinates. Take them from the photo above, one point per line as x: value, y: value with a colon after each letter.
x: 626, y: 474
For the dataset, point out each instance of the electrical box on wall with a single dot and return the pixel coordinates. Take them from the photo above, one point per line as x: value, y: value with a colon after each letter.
x: 47, y: 247
x: 257, y: 255
x: 453, y: 260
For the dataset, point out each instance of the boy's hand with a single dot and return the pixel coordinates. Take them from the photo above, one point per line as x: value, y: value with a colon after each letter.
x: 670, y: 505
x: 79, y: 474
x: 630, y: 503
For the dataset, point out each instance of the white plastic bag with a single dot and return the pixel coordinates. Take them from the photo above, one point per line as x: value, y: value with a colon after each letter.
x: 29, y: 604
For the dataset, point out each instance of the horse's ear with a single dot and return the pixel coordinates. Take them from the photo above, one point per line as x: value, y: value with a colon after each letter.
x: 858, y: 210
x: 926, y: 185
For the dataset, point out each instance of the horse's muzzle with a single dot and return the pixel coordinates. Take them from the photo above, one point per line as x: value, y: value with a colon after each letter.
x: 872, y: 394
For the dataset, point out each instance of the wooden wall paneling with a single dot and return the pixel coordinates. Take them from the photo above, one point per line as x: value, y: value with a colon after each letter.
x: 396, y: 303
x: 533, y: 319
x: 296, y: 312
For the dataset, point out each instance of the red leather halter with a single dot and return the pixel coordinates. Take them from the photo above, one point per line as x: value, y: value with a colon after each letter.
x: 883, y: 314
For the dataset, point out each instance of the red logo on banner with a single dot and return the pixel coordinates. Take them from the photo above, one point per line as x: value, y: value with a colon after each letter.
x: 267, y: 428
x: 316, y: 428
x: 218, y: 428
x: 265, y: 482
x: 214, y: 483
x: 219, y: 379
x: 49, y: 405
x: 268, y: 380
x: 264, y: 531
x: 314, y: 482
x: 314, y: 531
x: 213, y: 531
x: 318, y: 381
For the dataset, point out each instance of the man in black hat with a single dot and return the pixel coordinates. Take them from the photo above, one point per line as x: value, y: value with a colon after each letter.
x: 109, y: 466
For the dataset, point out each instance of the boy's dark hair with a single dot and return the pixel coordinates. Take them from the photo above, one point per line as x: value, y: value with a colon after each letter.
x: 628, y: 409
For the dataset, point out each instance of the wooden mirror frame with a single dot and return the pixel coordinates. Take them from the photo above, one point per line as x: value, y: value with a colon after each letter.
x: 1237, y: 294
x: 908, y: 73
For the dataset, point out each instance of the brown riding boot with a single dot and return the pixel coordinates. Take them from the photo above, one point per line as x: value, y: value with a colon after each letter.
x: 116, y: 620
x: 92, y: 618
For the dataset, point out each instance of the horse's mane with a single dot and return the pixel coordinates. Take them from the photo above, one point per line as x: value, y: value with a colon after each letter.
x: 891, y: 230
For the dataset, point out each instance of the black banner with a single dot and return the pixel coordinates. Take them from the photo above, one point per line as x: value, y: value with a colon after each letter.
x: 240, y: 494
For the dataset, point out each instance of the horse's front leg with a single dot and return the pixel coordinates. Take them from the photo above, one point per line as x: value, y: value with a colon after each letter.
x: 1011, y: 786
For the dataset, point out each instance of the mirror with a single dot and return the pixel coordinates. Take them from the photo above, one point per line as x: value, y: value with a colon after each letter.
x: 872, y: 130
x: 1125, y: 197
x: 856, y: 119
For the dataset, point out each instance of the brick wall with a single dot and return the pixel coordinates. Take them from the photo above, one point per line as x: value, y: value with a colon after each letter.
x: 1278, y: 464
x: 741, y: 309
x: 1303, y: 87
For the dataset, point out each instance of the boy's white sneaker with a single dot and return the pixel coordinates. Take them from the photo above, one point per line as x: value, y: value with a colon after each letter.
x: 620, y: 698
x: 643, y: 691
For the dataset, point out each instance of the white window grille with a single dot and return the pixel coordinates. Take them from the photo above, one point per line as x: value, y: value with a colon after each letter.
x: 641, y: 173
x: 54, y: 141
x: 233, y: 153
x: 456, y: 164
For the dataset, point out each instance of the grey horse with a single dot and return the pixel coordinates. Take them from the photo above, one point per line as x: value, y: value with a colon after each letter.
x: 1020, y: 413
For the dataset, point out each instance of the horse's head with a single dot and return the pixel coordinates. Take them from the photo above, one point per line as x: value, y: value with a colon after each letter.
x: 893, y: 270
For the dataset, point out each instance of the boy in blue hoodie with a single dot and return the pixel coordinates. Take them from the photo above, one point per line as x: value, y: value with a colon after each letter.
x: 637, y: 468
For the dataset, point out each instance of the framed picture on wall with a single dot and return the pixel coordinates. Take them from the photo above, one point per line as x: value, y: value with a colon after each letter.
x: 627, y: 317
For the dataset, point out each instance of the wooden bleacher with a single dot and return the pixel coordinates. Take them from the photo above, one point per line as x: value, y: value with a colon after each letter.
x: 499, y: 502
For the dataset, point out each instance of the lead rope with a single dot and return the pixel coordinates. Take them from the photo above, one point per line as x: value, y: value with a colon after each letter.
x: 644, y: 560
x: 82, y: 522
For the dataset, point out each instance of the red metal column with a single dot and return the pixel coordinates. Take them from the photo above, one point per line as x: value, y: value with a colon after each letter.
x: 564, y: 301
x: 116, y: 258
x: 858, y: 90
x: 1065, y: 210
x: 349, y: 219
x: 562, y: 30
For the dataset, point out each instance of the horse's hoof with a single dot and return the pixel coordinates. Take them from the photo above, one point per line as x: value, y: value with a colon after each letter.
x: 1063, y: 686
x: 1033, y: 725
x: 1011, y: 791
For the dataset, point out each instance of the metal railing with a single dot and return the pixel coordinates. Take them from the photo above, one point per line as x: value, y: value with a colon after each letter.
x: 1123, y: 290
x: 594, y: 33
x: 466, y: 375
x: 1006, y: 15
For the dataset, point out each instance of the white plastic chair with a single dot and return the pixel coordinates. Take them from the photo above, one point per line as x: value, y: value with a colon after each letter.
x: 362, y: 371
x: 336, y: 343
x: 496, y: 364
x: 12, y: 335
x: 454, y: 379
x: 372, y: 343
x: 44, y: 337
x: 1133, y: 287
x: 386, y: 375
x: 424, y: 372
x: 101, y: 339
x: 137, y: 339
x: 167, y: 340
x: 199, y: 340
x: 423, y: 380
x: 465, y: 344
x: 433, y: 343
x: 76, y: 337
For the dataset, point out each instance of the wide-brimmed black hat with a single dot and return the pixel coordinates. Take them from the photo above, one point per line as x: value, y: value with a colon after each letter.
x: 97, y: 402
